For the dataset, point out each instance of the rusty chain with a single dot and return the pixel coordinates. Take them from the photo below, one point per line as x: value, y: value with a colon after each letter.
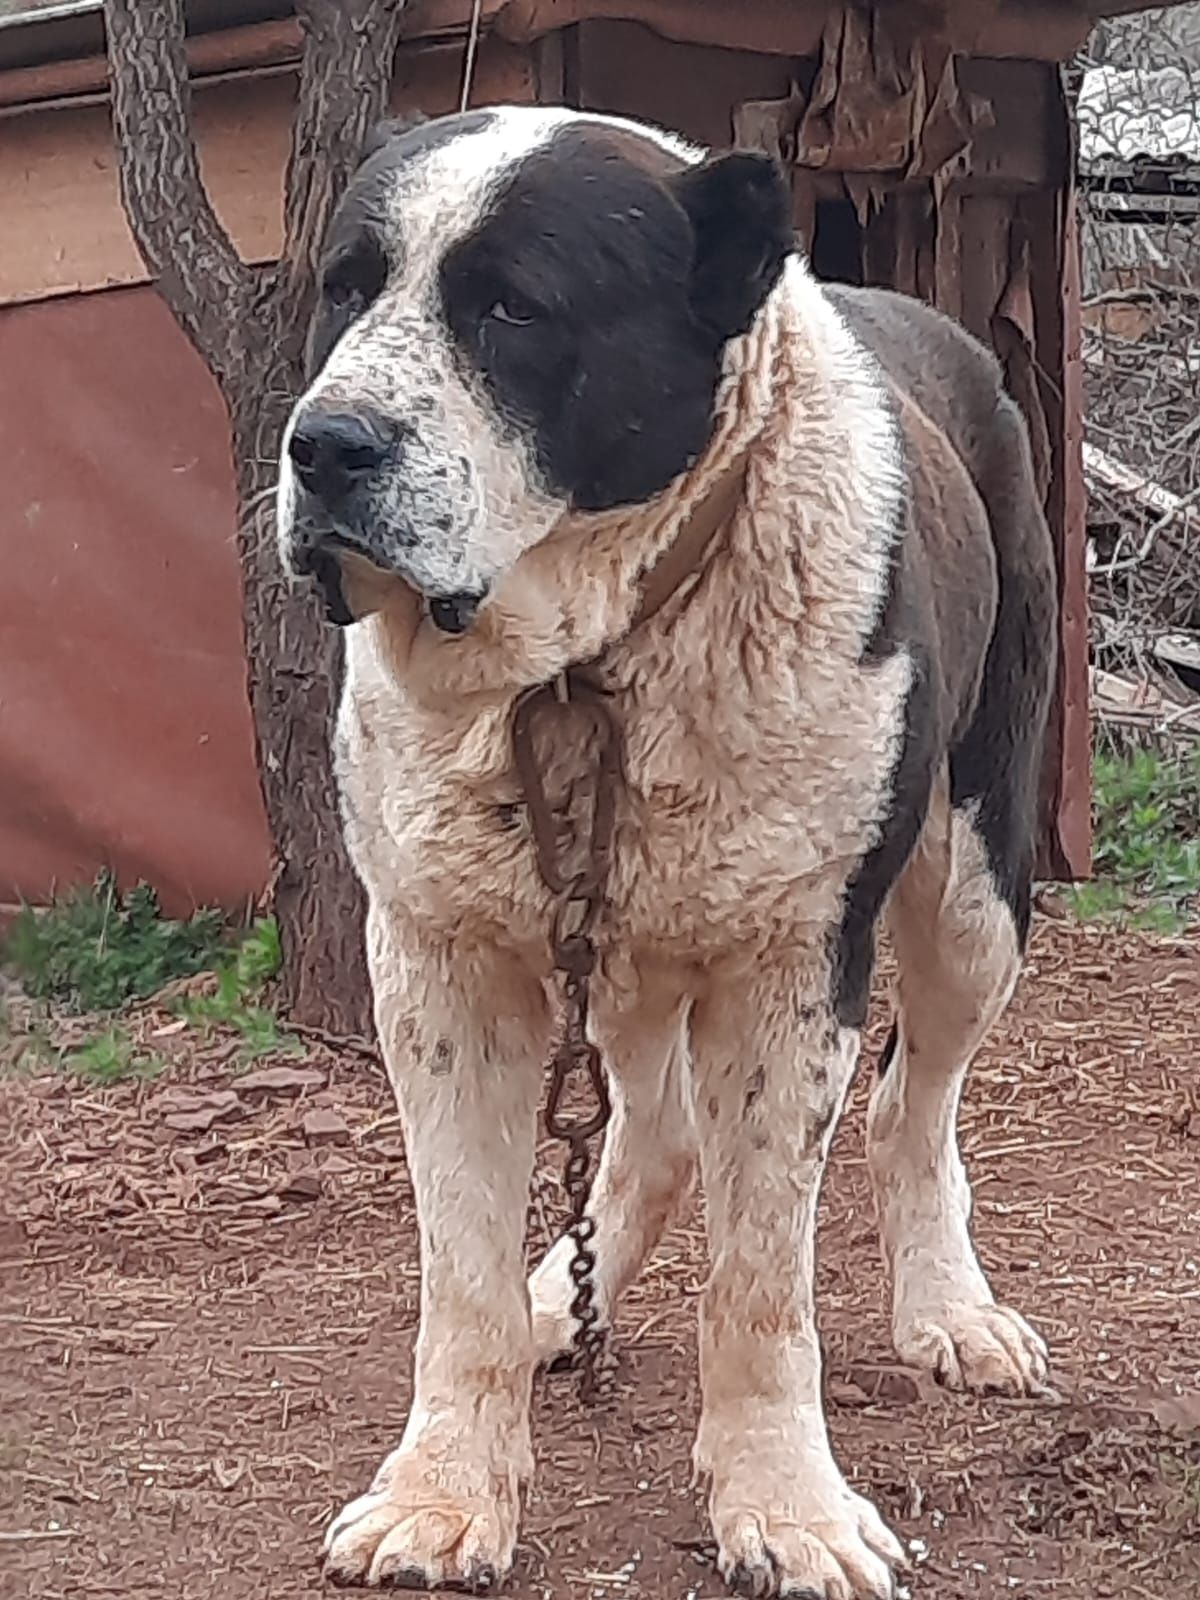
x: 574, y: 865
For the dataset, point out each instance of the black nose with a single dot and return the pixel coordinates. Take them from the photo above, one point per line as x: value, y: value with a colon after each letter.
x: 334, y: 451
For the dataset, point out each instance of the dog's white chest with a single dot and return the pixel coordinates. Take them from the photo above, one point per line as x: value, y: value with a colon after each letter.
x: 739, y: 818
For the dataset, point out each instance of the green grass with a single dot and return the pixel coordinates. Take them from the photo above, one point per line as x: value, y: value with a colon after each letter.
x: 1146, y: 848
x: 1182, y: 1477
x: 240, y: 979
x: 100, y: 948
x: 112, y: 1057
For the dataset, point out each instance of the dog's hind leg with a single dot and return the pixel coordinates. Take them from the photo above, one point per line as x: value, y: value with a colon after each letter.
x: 958, y: 949
x: 646, y: 1169
x: 464, y: 1032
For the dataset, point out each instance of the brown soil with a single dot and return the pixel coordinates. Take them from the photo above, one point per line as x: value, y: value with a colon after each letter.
x: 208, y: 1332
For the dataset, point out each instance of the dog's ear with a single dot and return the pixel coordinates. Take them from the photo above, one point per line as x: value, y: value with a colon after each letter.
x: 739, y: 207
x: 388, y: 128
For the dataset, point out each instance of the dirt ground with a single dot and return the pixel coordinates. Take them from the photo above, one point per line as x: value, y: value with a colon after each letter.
x: 210, y: 1289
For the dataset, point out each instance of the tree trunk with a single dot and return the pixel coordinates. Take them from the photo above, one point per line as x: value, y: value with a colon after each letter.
x: 248, y: 324
x: 293, y: 663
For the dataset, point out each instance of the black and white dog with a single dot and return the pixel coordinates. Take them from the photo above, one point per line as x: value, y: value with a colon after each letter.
x: 544, y: 336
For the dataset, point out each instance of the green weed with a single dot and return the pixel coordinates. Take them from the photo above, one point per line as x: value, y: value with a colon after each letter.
x: 240, y: 980
x: 1182, y: 1477
x: 1147, y: 839
x: 112, y: 1057
x: 99, y: 948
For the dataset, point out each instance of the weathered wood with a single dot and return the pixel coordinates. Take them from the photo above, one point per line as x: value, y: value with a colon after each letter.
x: 1049, y: 223
x: 1164, y: 504
x: 237, y: 49
x: 1074, y: 812
x: 1050, y: 30
x: 65, y: 229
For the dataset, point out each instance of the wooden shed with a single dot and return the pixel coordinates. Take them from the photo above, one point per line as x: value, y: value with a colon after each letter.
x: 929, y: 147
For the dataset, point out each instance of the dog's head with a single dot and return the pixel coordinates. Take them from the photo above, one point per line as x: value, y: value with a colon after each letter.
x: 522, y: 314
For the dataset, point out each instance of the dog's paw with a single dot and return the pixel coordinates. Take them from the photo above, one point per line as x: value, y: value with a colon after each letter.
x: 820, y: 1541
x: 990, y: 1349
x: 408, y: 1533
x: 553, y: 1328
x: 551, y: 1292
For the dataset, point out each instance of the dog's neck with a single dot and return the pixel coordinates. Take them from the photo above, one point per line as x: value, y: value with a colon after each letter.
x: 558, y: 608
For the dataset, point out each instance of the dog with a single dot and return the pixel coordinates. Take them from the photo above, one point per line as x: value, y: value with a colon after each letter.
x: 545, y: 340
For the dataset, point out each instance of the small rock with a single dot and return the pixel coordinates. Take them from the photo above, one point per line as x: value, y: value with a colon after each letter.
x: 388, y: 1149
x: 1051, y: 904
x: 322, y: 1126
x: 196, y: 1113
x: 281, y: 1080
x: 208, y: 1149
x: 302, y: 1186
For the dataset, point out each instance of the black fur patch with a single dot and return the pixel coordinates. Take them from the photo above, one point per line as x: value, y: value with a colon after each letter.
x: 995, y: 767
x: 595, y: 299
x: 740, y: 211
x: 998, y: 702
x: 854, y: 946
x: 360, y: 250
x: 387, y: 129
x: 888, y: 1053
x: 904, y: 622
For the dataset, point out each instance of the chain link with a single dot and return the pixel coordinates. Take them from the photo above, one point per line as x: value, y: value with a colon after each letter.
x: 579, y: 896
x: 579, y: 892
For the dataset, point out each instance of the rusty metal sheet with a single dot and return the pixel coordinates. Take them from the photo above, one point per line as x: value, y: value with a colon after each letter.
x: 125, y: 735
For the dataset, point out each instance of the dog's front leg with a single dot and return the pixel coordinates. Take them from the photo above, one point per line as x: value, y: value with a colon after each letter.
x: 772, y: 1068
x: 465, y: 1032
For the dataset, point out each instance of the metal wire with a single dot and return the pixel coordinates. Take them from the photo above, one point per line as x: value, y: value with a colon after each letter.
x: 1138, y: 90
x: 469, y: 62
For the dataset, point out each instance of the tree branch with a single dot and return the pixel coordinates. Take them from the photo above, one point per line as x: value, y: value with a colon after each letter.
x: 185, y: 248
x: 345, y: 73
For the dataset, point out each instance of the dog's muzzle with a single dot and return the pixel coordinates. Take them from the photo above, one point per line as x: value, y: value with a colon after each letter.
x: 321, y: 561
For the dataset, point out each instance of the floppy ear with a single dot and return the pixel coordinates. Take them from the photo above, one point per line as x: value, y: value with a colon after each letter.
x: 387, y: 129
x: 739, y: 206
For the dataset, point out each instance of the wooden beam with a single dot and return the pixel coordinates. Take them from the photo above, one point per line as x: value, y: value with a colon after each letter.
x: 251, y: 47
x: 1030, y: 29
x: 1068, y: 787
x: 66, y: 232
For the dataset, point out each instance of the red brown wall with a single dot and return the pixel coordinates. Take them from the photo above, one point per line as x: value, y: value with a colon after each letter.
x: 125, y: 737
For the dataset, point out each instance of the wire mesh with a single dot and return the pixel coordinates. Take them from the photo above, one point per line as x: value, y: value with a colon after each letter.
x: 1137, y: 90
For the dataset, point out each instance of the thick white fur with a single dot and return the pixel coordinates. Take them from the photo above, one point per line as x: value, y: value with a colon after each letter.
x: 759, y: 752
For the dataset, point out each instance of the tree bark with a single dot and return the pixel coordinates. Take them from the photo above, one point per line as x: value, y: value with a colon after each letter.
x: 249, y: 326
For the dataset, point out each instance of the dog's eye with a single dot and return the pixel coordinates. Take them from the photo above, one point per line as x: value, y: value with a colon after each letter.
x: 354, y: 278
x: 512, y: 313
x: 342, y: 296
